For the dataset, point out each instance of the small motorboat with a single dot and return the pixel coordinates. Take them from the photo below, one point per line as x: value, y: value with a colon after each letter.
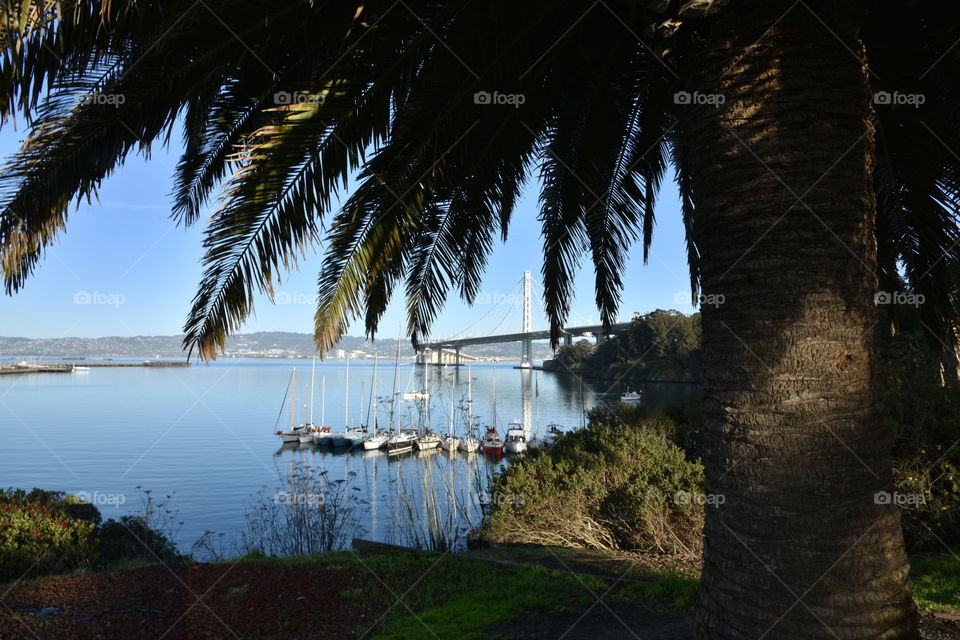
x: 516, y: 438
x: 554, y: 431
x: 631, y: 397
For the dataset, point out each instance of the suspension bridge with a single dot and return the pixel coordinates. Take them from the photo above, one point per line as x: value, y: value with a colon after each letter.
x: 447, y: 351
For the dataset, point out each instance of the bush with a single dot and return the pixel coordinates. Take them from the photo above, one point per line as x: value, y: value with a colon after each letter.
x: 44, y: 532
x: 612, y: 485
x: 131, y: 540
x: 925, y: 417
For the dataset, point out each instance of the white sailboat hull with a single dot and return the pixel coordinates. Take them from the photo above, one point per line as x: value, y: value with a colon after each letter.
x: 428, y: 443
x: 374, y: 442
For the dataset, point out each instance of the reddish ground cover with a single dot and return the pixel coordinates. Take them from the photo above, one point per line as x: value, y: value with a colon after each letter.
x: 258, y: 600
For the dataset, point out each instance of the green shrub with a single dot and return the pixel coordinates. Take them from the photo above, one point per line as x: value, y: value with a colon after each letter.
x: 612, y: 485
x: 925, y: 418
x: 129, y: 540
x: 44, y: 532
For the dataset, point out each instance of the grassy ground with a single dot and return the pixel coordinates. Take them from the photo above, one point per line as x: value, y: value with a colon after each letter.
x: 412, y: 595
x: 936, y: 582
x: 460, y: 597
x: 451, y: 596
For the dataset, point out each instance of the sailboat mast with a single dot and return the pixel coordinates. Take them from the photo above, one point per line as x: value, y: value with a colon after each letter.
x: 494, y: 395
x: 346, y: 396
x: 469, y: 400
x: 323, y: 399
x: 313, y: 376
x: 373, y: 386
x: 293, y: 400
x: 536, y: 382
x: 396, y: 372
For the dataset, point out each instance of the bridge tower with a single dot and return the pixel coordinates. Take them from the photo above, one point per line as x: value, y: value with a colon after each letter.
x: 526, y: 353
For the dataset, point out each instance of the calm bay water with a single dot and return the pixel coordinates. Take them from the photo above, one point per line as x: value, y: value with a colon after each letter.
x: 204, y: 434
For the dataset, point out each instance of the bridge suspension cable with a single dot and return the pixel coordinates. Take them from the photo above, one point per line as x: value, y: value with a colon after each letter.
x: 492, y: 308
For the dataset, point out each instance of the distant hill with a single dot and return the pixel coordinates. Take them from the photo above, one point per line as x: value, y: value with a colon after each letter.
x: 265, y: 344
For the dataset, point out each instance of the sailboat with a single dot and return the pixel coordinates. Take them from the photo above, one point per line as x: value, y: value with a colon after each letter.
x: 293, y: 434
x: 492, y: 444
x: 400, y: 440
x: 536, y: 440
x: 354, y: 435
x: 377, y: 439
x: 318, y: 434
x: 428, y: 438
x: 450, y: 441
x: 470, y: 443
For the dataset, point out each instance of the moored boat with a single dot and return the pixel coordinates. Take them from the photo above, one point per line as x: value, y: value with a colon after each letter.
x: 469, y: 444
x: 554, y: 431
x: 450, y: 442
x: 429, y: 440
x: 377, y: 440
x: 402, y: 441
x: 516, y: 441
x: 492, y: 444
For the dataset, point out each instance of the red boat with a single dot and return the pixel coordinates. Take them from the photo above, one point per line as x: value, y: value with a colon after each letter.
x: 492, y: 443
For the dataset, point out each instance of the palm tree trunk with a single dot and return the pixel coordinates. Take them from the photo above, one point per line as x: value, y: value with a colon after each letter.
x: 795, y: 440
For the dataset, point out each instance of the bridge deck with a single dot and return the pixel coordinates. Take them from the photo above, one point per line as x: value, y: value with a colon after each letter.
x: 518, y: 337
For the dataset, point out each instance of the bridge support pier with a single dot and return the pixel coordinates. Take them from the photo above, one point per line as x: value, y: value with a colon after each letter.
x: 456, y: 358
x: 567, y: 339
x: 526, y: 354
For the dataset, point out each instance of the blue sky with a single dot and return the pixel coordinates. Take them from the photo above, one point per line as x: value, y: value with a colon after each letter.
x: 125, y: 268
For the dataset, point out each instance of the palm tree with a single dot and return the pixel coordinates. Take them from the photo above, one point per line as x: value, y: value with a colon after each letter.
x: 814, y: 145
